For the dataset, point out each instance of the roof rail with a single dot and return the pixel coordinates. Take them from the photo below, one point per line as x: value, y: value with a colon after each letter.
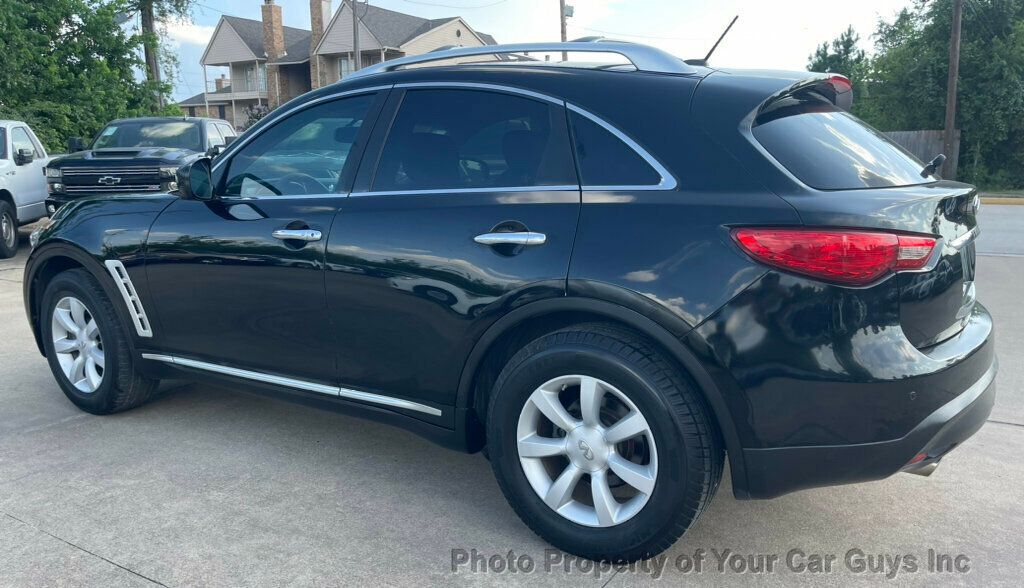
x: 643, y: 57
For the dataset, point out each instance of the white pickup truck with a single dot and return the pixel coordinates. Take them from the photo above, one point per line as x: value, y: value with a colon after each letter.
x: 22, y: 182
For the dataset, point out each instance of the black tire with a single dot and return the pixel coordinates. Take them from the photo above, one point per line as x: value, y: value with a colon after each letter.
x: 690, y: 455
x: 8, y: 217
x: 122, y: 386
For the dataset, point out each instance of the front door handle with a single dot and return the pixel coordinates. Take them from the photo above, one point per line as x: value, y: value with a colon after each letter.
x: 298, y: 235
x: 519, y: 238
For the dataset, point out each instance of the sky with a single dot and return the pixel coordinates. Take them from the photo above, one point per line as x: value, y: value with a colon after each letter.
x: 771, y: 34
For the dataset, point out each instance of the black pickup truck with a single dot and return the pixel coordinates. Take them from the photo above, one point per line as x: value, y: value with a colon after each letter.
x: 135, y: 155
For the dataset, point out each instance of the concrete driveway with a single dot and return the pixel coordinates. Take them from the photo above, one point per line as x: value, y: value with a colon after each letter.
x: 207, y: 486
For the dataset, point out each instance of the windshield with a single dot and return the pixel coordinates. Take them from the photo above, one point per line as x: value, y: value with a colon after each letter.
x: 172, y: 134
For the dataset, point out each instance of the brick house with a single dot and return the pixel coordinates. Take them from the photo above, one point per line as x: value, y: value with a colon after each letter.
x: 270, y: 63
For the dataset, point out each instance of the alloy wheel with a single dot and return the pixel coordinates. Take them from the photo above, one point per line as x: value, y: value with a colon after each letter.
x: 78, y: 345
x: 587, y: 450
x: 8, y: 230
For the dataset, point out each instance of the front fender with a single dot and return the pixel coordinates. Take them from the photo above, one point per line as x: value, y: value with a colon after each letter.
x: 86, y: 233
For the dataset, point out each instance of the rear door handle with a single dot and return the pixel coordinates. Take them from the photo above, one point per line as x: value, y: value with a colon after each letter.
x: 520, y: 238
x: 297, y: 235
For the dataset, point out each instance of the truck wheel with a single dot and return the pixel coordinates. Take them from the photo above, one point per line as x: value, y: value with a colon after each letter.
x: 8, y: 230
x: 87, y: 346
x: 601, y: 444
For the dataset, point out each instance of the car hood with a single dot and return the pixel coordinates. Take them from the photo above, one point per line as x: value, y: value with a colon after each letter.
x: 163, y: 155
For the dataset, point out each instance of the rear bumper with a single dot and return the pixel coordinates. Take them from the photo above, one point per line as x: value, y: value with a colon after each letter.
x: 776, y: 471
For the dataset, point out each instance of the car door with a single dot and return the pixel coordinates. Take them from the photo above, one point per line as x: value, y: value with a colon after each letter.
x: 28, y: 183
x: 465, y: 208
x: 239, y: 280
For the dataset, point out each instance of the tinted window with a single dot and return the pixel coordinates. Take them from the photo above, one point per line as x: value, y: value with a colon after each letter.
x: 3, y: 143
x: 142, y: 133
x: 605, y: 160
x: 213, y: 136
x: 305, y: 153
x: 226, y: 130
x: 464, y: 139
x: 20, y: 140
x: 829, y: 149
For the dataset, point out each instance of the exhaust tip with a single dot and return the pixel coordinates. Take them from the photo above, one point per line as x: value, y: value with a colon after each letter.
x: 924, y: 470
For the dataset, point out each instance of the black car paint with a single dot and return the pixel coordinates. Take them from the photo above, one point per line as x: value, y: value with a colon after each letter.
x: 802, y: 376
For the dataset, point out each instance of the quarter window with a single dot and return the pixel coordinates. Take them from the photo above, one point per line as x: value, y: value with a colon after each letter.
x: 471, y: 139
x: 305, y: 153
x: 20, y: 140
x: 606, y: 160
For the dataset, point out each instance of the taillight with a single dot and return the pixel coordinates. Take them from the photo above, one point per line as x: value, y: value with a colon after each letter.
x: 854, y: 258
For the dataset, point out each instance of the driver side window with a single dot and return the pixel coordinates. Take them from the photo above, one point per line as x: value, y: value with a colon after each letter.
x: 305, y: 153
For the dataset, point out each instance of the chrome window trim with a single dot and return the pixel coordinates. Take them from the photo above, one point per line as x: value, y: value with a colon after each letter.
x: 483, y: 86
x: 243, y: 140
x: 668, y: 181
x: 295, y: 383
x: 119, y: 273
x: 572, y: 188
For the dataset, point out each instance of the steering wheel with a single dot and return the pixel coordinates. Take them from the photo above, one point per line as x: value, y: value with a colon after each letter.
x: 306, y: 182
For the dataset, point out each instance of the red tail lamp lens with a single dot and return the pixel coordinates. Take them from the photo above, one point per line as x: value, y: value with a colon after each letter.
x: 845, y: 257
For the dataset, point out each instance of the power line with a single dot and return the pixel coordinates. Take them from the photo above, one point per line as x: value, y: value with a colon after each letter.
x: 645, y: 36
x: 438, y: 4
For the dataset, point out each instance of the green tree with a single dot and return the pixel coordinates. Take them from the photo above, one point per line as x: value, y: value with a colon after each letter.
x: 905, y: 83
x: 842, y: 56
x: 67, y: 67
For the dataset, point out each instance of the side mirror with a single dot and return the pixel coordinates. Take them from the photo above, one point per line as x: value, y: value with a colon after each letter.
x: 214, y: 151
x: 23, y: 157
x: 76, y: 144
x: 195, y: 180
x: 229, y: 140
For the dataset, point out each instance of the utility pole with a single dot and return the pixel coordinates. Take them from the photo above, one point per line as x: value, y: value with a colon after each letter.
x: 150, y: 49
x: 561, y: 16
x: 358, y: 58
x: 949, y: 142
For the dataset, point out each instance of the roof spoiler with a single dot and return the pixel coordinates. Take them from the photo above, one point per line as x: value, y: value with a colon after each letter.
x: 835, y: 88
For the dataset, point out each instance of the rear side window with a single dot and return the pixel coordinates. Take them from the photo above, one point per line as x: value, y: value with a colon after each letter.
x: 472, y: 139
x: 3, y: 143
x: 830, y: 149
x: 606, y: 160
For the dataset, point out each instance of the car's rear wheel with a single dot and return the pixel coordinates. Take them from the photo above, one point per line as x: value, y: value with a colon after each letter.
x: 601, y: 445
x: 8, y: 230
x: 87, y: 346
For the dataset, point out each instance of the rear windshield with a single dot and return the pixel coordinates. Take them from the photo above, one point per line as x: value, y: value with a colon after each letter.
x: 132, y: 134
x: 830, y: 149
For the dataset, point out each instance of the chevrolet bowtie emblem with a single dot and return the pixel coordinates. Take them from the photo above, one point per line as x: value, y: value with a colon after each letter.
x: 109, y: 180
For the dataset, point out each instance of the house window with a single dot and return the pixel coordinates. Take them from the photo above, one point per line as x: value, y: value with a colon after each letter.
x: 344, y: 67
x: 256, y: 78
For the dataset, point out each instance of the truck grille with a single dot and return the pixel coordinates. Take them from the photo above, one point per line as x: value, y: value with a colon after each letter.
x: 110, y: 180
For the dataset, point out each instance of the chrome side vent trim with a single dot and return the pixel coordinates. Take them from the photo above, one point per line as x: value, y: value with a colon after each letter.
x: 131, y: 297
x: 294, y: 383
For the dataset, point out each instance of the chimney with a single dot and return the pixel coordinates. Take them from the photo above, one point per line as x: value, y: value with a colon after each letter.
x: 273, y: 30
x: 222, y: 82
x: 273, y: 44
x: 319, y: 13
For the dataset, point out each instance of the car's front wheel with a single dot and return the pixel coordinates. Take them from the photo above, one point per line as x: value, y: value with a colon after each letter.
x: 8, y: 230
x: 87, y: 346
x: 600, y: 444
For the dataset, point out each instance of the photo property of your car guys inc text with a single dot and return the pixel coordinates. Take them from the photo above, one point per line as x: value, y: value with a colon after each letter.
x: 460, y: 292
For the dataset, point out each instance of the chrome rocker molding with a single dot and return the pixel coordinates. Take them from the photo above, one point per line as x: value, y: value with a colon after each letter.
x: 643, y: 57
x: 131, y: 297
x: 293, y: 383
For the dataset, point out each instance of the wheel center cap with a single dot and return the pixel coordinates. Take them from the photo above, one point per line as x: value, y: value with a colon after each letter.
x: 587, y: 448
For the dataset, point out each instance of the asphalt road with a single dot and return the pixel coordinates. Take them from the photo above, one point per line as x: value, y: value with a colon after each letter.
x: 216, y: 487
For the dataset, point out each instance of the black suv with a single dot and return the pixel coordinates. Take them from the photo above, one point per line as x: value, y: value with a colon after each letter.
x: 607, y: 277
x: 134, y: 155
